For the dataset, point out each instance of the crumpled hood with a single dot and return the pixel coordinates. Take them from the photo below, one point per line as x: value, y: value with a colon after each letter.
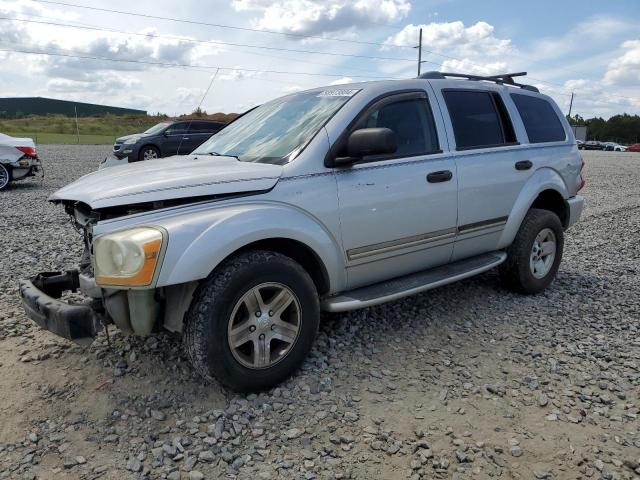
x: 169, y: 178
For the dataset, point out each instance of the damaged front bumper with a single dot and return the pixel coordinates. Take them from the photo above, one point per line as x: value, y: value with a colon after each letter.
x: 41, y: 301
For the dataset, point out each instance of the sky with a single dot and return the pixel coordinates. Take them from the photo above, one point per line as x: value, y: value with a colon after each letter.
x: 242, y: 53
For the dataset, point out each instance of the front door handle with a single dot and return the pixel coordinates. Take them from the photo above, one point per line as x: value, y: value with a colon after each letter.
x: 524, y: 165
x: 185, y: 138
x: 442, y: 176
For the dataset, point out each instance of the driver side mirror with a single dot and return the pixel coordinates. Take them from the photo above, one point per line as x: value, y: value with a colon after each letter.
x: 166, y: 133
x: 368, y: 141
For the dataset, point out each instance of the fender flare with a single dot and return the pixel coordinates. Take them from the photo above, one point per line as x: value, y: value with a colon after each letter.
x: 200, y: 241
x: 542, y: 179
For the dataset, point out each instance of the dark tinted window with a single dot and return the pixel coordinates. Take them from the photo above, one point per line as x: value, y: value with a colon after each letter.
x: 479, y: 119
x: 204, y: 127
x: 177, y: 128
x: 540, y: 119
x: 412, y: 122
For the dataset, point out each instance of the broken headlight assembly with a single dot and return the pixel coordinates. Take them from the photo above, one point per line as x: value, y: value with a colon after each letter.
x: 128, y: 258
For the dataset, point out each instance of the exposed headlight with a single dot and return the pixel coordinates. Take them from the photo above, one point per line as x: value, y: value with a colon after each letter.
x: 131, y: 141
x: 127, y: 258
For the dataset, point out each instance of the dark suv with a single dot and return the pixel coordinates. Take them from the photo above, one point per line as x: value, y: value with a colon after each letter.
x: 166, y: 139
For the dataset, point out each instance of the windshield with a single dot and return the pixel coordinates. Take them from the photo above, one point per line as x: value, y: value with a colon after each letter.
x: 277, y: 131
x: 157, y: 128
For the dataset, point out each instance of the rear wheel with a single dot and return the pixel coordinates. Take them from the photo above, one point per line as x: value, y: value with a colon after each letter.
x: 534, y: 256
x: 5, y: 176
x: 253, y: 321
x: 149, y: 152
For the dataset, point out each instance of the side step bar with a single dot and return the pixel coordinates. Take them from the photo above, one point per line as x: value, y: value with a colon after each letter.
x: 408, y: 285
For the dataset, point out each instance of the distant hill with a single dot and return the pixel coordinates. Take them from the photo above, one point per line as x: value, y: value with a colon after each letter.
x: 19, y: 107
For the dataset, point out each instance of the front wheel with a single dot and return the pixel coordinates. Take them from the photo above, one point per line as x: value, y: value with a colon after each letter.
x: 535, y: 254
x: 252, y: 321
x: 5, y: 176
x: 149, y: 153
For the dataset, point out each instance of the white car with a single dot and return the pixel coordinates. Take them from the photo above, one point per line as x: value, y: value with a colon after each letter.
x: 18, y: 159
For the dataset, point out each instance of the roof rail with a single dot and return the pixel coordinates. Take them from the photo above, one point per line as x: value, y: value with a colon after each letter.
x: 502, y: 79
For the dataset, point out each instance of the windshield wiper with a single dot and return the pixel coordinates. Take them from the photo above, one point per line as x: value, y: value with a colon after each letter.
x: 216, y: 154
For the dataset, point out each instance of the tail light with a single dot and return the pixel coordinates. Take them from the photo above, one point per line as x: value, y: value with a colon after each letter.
x: 30, y: 151
x: 582, y: 182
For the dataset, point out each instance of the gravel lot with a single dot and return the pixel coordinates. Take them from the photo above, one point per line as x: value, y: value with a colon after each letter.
x: 467, y: 381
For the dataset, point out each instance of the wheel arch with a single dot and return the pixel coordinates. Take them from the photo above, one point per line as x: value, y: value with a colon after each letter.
x: 545, y: 190
x: 297, y: 251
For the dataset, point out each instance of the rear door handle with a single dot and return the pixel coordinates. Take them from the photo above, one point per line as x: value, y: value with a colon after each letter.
x: 437, y: 177
x: 524, y: 165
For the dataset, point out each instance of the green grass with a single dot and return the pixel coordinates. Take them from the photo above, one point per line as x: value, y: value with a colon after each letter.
x: 65, y: 138
x: 52, y: 129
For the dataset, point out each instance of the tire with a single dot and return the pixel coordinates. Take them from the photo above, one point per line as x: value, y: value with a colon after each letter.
x: 520, y: 272
x: 221, y: 306
x: 148, y: 152
x: 5, y: 176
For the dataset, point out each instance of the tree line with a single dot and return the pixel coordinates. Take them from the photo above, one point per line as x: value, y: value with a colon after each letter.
x: 623, y: 128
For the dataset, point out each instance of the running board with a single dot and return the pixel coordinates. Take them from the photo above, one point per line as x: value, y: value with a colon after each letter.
x: 408, y: 285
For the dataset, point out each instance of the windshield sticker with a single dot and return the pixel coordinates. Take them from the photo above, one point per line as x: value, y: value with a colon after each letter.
x: 338, y: 93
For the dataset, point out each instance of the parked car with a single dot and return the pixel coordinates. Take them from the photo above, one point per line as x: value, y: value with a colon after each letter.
x: 162, y: 140
x: 593, y: 145
x: 18, y: 159
x: 614, y: 147
x: 634, y: 147
x: 332, y: 199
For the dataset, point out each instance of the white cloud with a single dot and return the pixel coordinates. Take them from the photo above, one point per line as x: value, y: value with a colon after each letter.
x: 467, y: 66
x: 104, y: 84
x: 625, y: 70
x: 454, y: 37
x: 342, y: 80
x: 314, y: 17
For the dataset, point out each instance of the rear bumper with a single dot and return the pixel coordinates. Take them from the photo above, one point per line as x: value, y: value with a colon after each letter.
x: 576, y: 205
x: 76, y: 322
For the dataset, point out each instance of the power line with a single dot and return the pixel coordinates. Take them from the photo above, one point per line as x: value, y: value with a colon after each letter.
x: 217, y: 25
x: 182, y: 65
x: 176, y: 37
x: 297, y: 35
x: 156, y: 17
x: 212, y: 42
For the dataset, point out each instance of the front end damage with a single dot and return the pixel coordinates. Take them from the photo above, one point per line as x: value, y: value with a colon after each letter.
x: 46, y: 299
x: 41, y: 295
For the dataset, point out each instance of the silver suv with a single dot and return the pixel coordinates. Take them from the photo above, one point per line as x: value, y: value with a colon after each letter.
x: 332, y: 199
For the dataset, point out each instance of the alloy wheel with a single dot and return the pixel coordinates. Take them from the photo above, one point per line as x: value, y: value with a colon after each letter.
x: 4, y: 176
x: 543, y: 253
x: 150, y: 154
x: 264, y: 325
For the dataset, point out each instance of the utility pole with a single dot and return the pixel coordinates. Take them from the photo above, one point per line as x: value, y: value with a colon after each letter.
x: 571, y: 105
x: 75, y: 109
x: 420, y: 52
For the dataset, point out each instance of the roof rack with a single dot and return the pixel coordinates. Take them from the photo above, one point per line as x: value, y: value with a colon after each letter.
x: 502, y: 79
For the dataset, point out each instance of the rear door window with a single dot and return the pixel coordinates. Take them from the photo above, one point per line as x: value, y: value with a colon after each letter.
x: 540, y: 119
x: 204, y: 127
x: 479, y: 119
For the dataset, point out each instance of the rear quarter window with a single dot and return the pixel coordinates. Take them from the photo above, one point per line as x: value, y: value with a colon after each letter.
x: 479, y: 119
x: 540, y: 119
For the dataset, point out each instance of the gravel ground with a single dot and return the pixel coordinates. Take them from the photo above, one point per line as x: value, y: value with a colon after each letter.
x: 467, y: 381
